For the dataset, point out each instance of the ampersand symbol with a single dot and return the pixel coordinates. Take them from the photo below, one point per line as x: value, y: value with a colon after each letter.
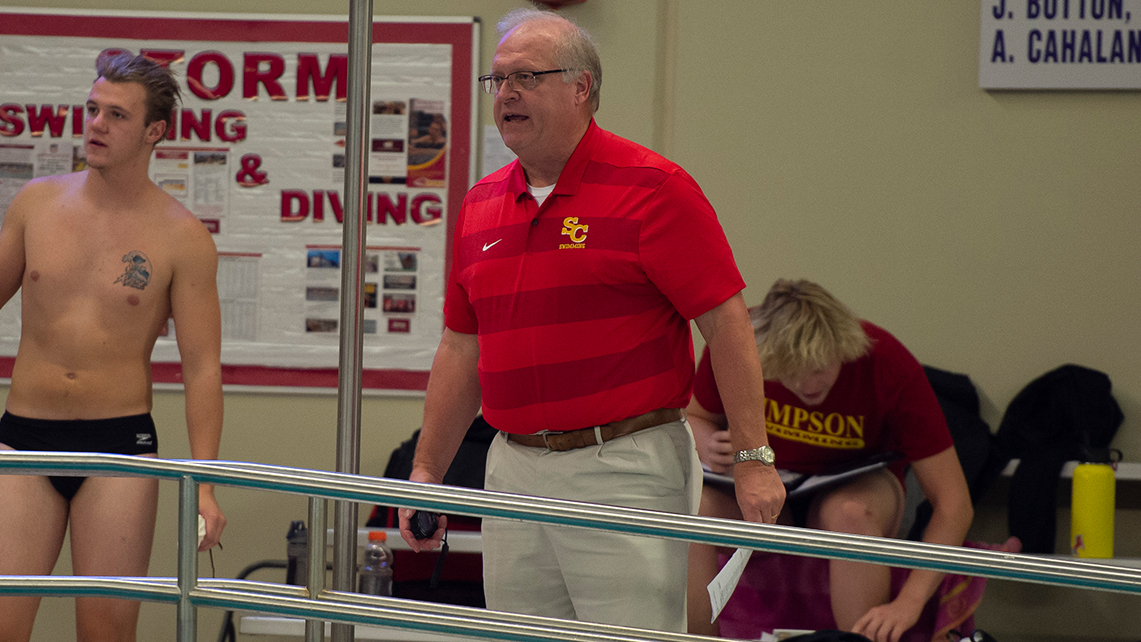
x: 249, y: 176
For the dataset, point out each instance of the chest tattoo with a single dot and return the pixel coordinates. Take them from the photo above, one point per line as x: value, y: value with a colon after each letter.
x: 138, y: 272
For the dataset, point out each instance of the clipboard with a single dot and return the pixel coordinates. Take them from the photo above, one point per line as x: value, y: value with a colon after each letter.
x: 797, y: 485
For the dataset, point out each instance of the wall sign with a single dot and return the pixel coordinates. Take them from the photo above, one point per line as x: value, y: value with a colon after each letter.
x: 1060, y: 44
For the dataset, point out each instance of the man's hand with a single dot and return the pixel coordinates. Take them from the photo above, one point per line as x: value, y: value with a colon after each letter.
x: 760, y: 492
x: 210, y: 511
x: 421, y: 544
x: 405, y: 514
x: 888, y: 622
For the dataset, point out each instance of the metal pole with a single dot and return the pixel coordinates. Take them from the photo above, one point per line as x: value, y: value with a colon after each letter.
x: 352, y: 291
x: 315, y: 629
x: 187, y: 558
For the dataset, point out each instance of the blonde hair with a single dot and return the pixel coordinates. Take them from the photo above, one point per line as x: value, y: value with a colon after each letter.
x: 800, y: 327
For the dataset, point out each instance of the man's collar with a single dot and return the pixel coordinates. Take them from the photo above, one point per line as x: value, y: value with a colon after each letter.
x: 571, y: 175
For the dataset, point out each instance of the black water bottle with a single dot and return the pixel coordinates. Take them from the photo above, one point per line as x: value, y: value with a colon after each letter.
x: 297, y: 554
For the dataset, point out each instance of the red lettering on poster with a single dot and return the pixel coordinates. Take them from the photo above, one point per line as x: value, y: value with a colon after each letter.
x: 335, y: 203
x: 249, y: 175
x: 164, y: 57
x: 385, y: 209
x: 200, y: 126
x: 289, y: 197
x: 196, y: 67
x: 10, y: 122
x: 231, y: 126
x: 318, y: 205
x: 54, y: 116
x: 426, y: 209
x: 309, y: 72
x: 253, y: 75
x: 77, y: 121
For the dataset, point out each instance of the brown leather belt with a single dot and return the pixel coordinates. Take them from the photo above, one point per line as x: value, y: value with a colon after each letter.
x: 590, y: 436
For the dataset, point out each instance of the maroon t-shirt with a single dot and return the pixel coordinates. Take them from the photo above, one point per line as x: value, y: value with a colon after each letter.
x: 880, y: 402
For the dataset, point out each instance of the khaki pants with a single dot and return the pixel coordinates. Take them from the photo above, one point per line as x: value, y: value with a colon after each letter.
x: 585, y: 574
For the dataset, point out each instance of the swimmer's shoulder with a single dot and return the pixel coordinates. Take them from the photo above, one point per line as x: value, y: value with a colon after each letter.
x: 47, y: 187
x: 188, y: 233
x: 43, y: 194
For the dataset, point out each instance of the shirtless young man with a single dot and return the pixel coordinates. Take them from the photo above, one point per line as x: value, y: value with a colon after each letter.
x: 104, y: 257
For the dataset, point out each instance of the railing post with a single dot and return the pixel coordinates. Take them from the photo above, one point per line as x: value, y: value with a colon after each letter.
x: 315, y: 629
x: 187, y: 557
x: 353, y: 235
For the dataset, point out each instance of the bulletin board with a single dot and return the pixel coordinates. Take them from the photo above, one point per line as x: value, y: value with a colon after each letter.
x: 257, y: 152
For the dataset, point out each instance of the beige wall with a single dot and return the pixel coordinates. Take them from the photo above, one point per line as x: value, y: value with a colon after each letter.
x: 993, y: 232
x: 848, y: 143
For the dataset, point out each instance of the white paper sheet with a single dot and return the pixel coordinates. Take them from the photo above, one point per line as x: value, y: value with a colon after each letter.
x: 723, y: 585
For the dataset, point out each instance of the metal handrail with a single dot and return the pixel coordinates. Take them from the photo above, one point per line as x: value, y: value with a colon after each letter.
x: 428, y: 617
x: 151, y: 589
x: 334, y: 606
x: 705, y: 530
x: 314, y: 603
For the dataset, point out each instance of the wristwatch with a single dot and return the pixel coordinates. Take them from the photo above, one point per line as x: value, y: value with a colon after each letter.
x: 764, y: 454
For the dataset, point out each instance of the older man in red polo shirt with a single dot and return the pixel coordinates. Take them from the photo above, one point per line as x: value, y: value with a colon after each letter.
x: 575, y: 272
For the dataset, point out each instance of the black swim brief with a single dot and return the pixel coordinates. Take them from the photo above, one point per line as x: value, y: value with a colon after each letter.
x: 134, y: 435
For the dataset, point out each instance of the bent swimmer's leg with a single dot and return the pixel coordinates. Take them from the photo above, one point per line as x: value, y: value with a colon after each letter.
x: 870, y: 505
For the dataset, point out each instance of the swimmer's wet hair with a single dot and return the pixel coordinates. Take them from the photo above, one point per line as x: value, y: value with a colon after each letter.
x: 157, y: 80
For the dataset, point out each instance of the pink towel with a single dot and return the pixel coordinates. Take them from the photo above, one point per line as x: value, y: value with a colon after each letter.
x: 789, y: 592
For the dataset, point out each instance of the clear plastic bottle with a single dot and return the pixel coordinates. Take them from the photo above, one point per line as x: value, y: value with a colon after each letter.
x: 375, y: 577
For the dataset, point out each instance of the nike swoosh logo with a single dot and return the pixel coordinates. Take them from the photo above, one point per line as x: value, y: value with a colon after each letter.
x: 487, y: 246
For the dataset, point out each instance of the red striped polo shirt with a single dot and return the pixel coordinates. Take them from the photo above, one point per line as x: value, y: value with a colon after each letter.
x: 581, y: 306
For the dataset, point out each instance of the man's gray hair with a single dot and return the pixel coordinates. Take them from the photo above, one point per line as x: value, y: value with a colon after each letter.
x: 575, y: 49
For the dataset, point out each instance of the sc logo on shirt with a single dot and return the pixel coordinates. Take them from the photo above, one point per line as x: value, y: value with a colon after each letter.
x: 576, y: 232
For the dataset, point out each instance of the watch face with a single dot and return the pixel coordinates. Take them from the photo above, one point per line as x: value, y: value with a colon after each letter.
x: 764, y: 454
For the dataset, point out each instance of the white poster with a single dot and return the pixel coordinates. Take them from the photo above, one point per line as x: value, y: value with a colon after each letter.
x: 257, y: 153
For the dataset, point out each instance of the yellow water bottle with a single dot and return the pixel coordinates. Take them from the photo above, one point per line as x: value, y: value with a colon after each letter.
x: 1093, y: 504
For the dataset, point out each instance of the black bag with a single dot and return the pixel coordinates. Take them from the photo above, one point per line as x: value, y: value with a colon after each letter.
x: 468, y: 465
x: 466, y: 470
x: 1051, y: 421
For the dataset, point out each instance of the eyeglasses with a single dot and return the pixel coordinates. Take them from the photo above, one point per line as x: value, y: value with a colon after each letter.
x: 521, y: 79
